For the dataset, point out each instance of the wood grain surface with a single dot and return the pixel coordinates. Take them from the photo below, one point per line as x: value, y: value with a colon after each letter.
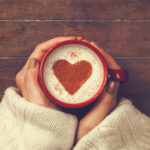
x: 1, y: 96
x: 77, y: 9
x: 121, y: 27
x: 118, y: 38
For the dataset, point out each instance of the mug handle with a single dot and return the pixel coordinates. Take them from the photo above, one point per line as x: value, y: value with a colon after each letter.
x: 119, y: 75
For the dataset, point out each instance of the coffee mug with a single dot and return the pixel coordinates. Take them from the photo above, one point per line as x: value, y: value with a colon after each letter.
x: 74, y: 73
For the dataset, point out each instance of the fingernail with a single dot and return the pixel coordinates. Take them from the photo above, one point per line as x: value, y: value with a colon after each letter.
x: 79, y: 38
x: 32, y: 63
x: 93, y: 43
x: 113, y: 87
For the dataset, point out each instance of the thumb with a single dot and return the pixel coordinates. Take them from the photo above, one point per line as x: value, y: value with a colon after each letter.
x: 100, y: 110
x: 103, y: 106
x: 34, y: 92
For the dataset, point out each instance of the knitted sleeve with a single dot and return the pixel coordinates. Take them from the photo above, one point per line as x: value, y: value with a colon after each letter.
x: 27, y: 126
x: 125, y: 128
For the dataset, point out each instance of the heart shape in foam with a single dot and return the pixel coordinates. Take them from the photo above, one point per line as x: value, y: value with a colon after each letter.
x: 72, y: 76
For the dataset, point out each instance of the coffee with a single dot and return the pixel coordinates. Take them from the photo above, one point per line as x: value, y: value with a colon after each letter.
x: 73, y: 73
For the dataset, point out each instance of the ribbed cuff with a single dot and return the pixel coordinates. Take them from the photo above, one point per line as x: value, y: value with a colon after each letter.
x: 56, y: 129
x: 124, y: 128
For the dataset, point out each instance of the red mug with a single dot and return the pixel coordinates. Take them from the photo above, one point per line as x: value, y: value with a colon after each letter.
x: 119, y: 75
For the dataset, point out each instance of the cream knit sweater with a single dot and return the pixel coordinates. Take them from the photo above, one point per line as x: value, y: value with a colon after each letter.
x: 27, y: 126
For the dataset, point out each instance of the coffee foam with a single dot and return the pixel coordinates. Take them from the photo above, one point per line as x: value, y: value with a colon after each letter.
x: 73, y: 53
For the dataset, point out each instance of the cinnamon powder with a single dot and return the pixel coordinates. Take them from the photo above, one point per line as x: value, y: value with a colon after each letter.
x: 73, y: 55
x: 72, y: 76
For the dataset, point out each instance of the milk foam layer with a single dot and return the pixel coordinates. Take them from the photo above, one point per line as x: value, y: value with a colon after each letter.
x: 73, y: 53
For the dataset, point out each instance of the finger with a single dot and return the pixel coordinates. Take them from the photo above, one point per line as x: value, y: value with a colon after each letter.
x: 108, y: 58
x: 41, y: 48
x: 112, y: 89
x: 32, y: 87
x: 79, y: 38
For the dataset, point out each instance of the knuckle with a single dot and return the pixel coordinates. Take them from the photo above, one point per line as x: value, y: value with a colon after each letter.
x: 39, y: 46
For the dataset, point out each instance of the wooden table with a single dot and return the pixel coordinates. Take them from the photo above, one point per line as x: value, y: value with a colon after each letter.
x: 120, y: 27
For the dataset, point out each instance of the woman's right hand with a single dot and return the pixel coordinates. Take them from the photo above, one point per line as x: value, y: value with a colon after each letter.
x: 106, y: 102
x: 27, y: 77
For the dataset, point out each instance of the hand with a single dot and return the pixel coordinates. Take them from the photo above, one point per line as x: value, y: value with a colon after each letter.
x: 27, y: 78
x: 105, y: 103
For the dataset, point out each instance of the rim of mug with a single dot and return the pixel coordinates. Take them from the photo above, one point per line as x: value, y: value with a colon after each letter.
x: 74, y: 105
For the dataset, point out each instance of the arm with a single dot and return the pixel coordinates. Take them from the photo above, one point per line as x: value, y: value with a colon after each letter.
x: 26, y: 125
x: 124, y: 128
x: 29, y: 120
